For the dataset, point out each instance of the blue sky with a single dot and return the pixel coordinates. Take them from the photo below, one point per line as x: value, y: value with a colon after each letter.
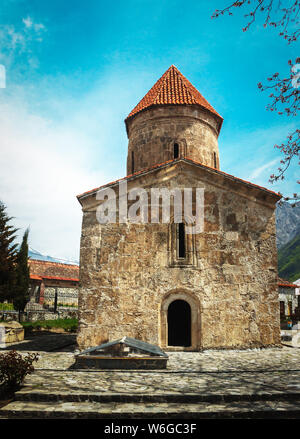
x: 74, y: 70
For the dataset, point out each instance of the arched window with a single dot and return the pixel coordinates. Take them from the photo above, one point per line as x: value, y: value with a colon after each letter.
x: 181, y: 244
x: 176, y: 150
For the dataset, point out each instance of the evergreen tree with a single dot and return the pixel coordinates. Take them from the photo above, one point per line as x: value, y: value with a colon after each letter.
x: 21, y: 291
x: 8, y: 255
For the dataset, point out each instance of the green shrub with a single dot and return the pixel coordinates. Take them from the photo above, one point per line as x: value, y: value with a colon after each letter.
x: 14, y: 367
x: 6, y: 307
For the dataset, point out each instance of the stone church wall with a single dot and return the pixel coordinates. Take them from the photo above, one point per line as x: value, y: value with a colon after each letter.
x: 129, y: 273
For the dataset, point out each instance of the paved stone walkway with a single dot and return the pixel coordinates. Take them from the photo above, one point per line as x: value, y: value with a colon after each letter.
x: 214, y: 383
x: 245, y: 372
x: 282, y: 359
x: 194, y: 383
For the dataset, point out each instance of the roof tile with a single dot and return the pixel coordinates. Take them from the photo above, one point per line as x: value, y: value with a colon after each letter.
x: 172, y: 89
x: 55, y: 270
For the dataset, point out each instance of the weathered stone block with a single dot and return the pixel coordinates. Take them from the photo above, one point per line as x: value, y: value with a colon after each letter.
x: 11, y: 332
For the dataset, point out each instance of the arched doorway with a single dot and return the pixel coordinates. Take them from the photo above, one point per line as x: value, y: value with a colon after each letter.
x: 179, y: 323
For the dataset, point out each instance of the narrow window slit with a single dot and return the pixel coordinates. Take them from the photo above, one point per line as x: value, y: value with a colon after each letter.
x: 181, y: 240
x: 132, y: 162
x: 176, y: 150
x: 215, y: 160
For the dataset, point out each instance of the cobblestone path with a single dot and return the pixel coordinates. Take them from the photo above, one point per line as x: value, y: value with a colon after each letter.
x: 245, y: 383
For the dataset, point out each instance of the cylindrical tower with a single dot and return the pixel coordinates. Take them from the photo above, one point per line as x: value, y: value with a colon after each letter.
x: 172, y: 121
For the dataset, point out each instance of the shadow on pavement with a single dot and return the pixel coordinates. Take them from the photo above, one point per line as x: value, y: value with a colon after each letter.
x: 44, y: 341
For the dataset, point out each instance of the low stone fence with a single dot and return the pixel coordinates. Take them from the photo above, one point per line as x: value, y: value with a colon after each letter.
x: 34, y: 315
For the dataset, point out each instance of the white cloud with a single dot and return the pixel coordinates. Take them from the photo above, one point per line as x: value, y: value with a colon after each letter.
x: 34, y: 27
x: 38, y: 27
x: 266, y: 167
x: 251, y: 155
x: 11, y: 39
x: 43, y: 168
x: 28, y: 22
x: 47, y: 161
x: 16, y: 40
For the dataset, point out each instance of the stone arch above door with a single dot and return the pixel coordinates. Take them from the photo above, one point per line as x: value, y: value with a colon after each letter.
x: 194, y: 303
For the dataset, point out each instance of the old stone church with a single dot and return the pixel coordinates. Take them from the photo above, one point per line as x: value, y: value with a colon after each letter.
x: 154, y: 281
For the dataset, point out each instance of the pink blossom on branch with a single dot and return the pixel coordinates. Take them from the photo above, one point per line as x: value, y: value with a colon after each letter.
x: 286, y: 91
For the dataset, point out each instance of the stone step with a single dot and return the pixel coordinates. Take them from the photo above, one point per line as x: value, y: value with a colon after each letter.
x: 98, y: 410
x: 36, y: 396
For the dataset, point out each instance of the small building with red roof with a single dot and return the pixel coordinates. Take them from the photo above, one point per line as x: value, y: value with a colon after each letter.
x: 53, y: 284
x: 289, y: 299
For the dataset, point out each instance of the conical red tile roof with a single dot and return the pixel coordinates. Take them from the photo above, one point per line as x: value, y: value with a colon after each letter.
x: 172, y: 89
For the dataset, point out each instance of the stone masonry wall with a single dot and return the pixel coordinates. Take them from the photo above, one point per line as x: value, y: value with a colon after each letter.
x: 152, y: 135
x: 129, y: 272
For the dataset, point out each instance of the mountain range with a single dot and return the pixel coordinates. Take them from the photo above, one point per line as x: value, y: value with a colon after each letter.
x: 288, y: 240
x: 34, y: 254
x: 289, y: 260
x: 287, y: 222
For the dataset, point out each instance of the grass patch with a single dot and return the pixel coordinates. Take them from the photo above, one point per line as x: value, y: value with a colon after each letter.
x: 69, y: 325
x: 289, y: 260
x: 6, y: 307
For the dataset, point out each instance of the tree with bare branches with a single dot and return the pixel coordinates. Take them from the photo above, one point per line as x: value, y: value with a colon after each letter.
x: 285, y: 92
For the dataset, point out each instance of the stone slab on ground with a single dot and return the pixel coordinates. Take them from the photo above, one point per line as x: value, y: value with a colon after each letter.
x: 11, y: 332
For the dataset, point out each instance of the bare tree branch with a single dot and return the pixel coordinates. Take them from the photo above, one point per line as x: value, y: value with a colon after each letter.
x: 275, y: 13
x: 284, y: 93
x: 285, y: 96
x: 290, y: 149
